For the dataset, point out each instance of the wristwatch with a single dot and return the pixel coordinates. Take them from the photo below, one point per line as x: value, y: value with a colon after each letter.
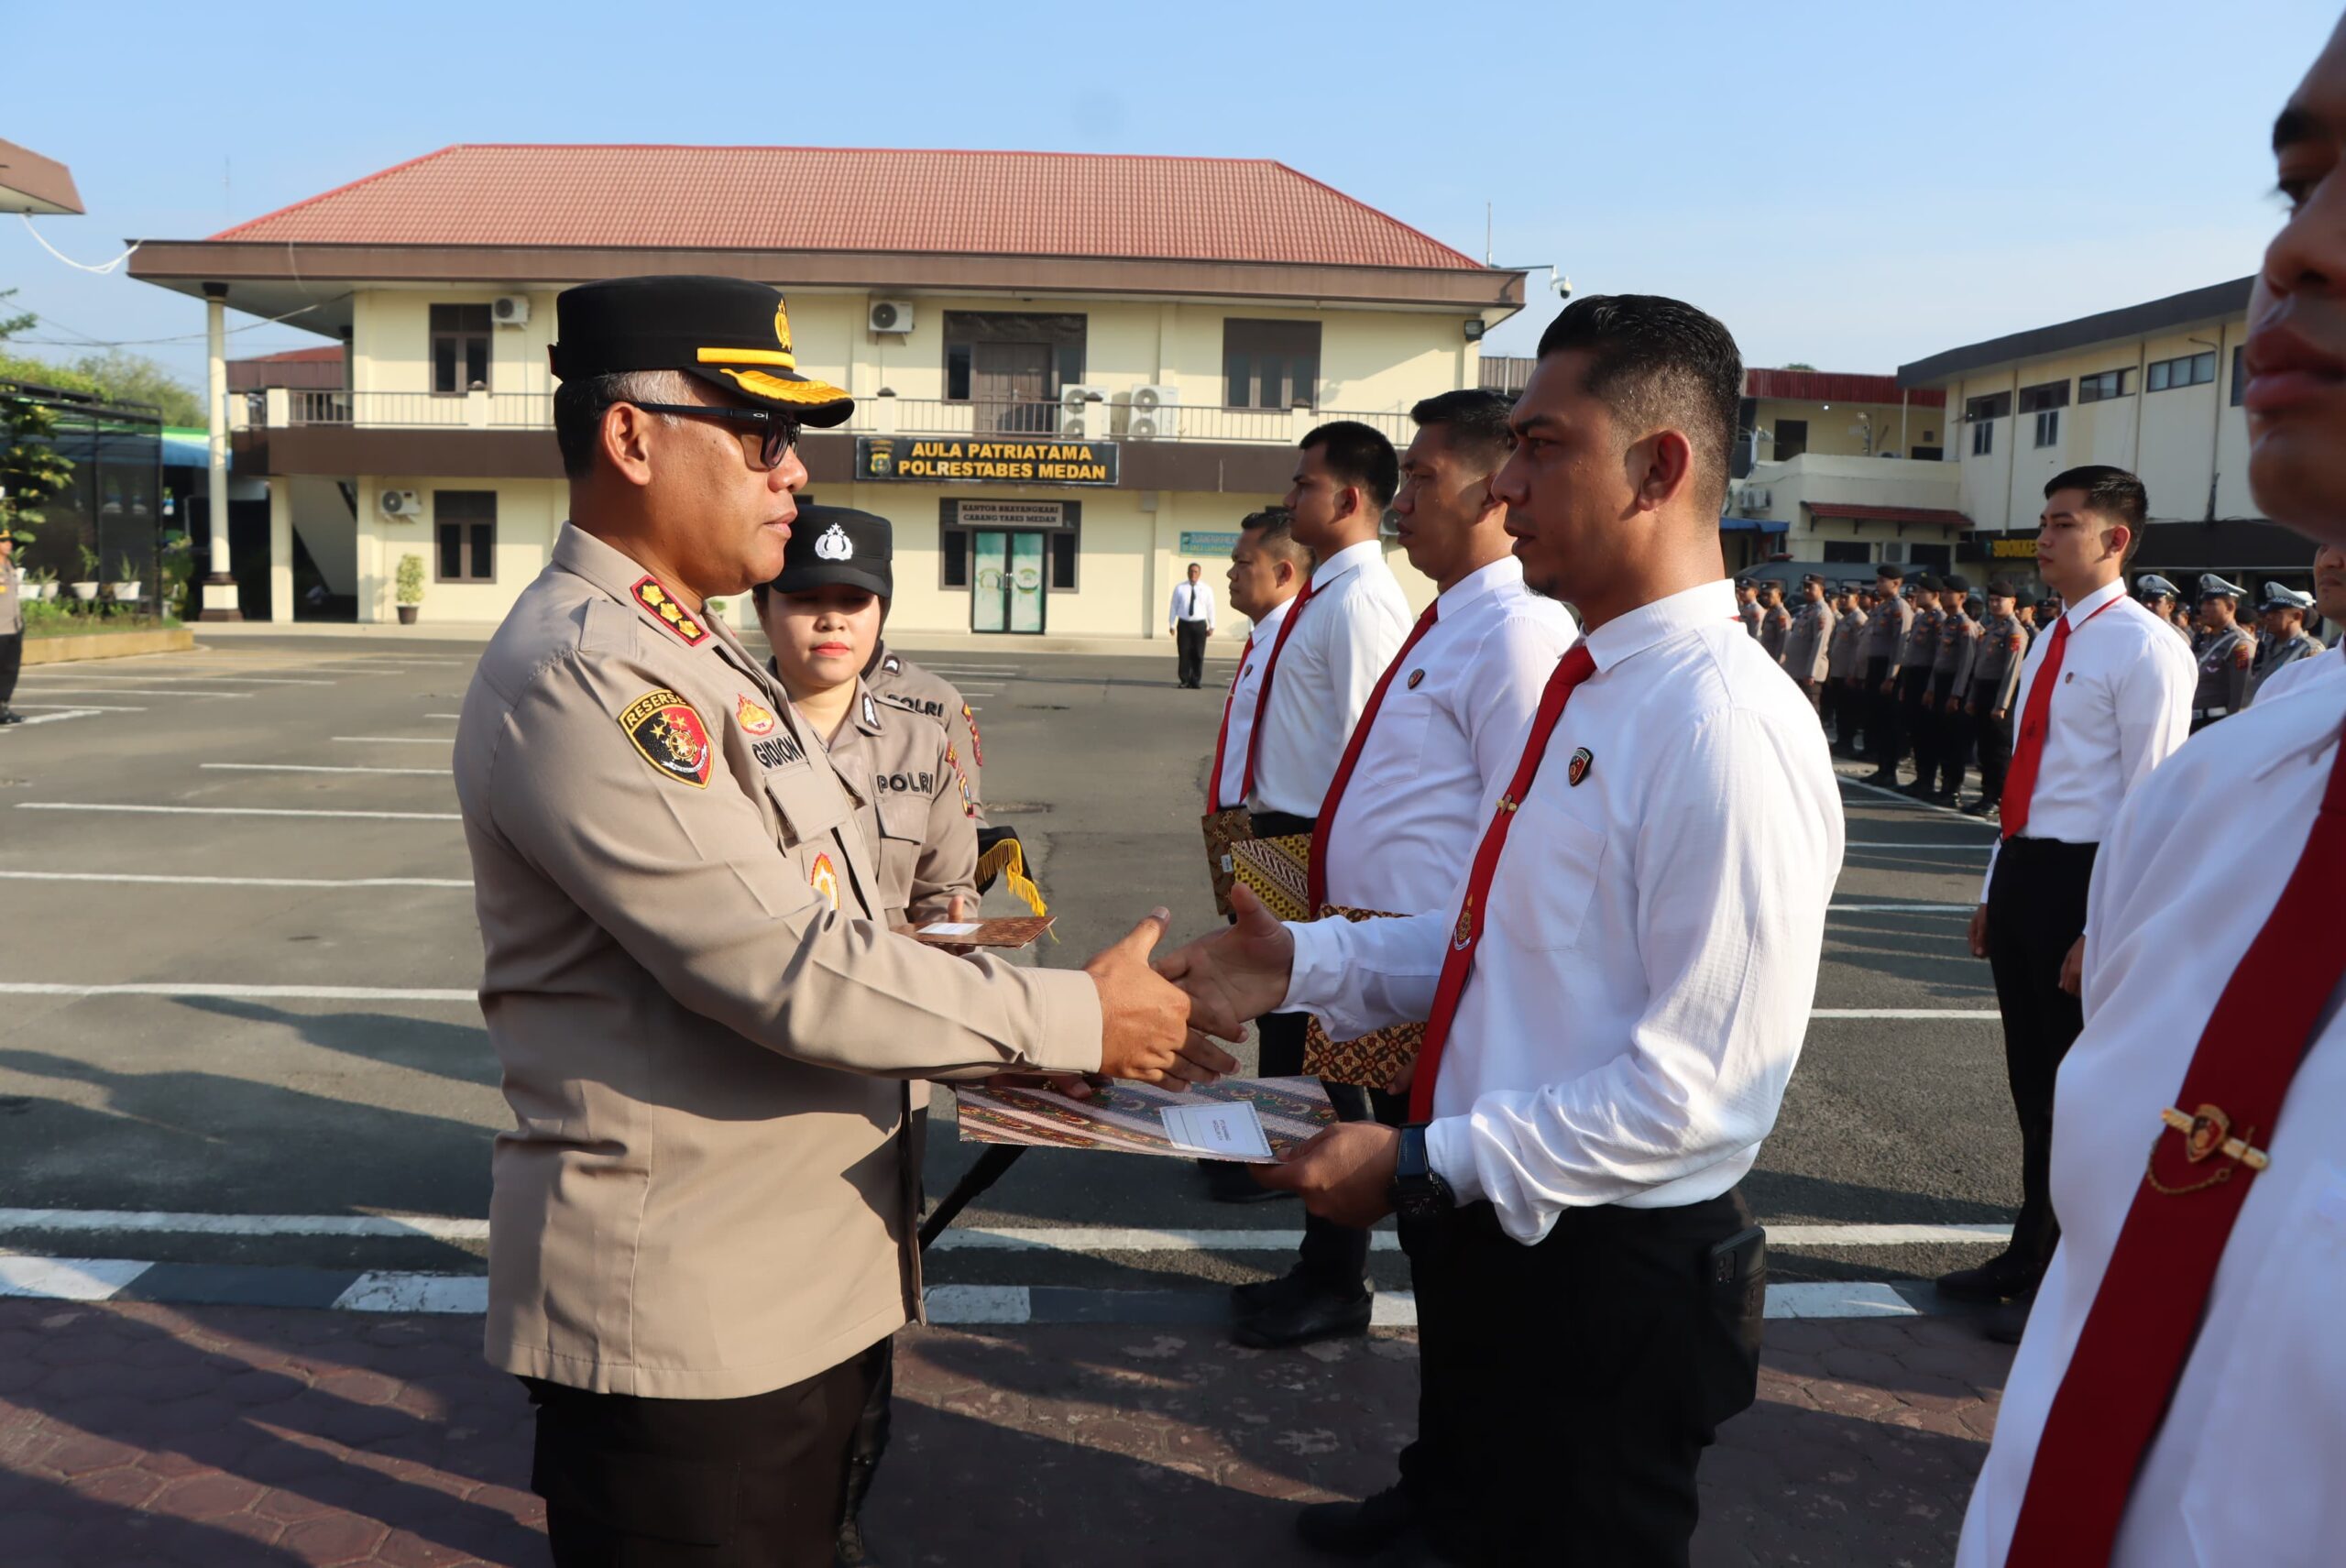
x: 1418, y: 1192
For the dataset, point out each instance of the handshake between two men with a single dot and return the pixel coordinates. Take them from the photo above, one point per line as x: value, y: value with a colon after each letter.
x: 1160, y: 1020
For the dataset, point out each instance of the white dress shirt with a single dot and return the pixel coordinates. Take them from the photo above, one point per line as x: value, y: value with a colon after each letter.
x: 2300, y: 673
x: 1451, y: 728
x: 1191, y: 601
x: 2123, y: 707
x: 1243, y: 687
x: 1649, y: 954
x: 2247, y: 1466
x: 1357, y: 620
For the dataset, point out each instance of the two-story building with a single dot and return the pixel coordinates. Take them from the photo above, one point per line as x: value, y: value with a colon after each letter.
x: 2154, y: 387
x: 1841, y: 467
x: 1074, y: 373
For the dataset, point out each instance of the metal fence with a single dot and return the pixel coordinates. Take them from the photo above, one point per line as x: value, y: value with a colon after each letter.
x: 427, y: 411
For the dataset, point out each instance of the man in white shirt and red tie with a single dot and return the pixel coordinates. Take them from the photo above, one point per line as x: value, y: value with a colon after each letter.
x: 1340, y: 634
x: 1615, y: 995
x: 2105, y: 696
x: 1443, y: 723
x: 1191, y: 619
x: 2180, y: 1397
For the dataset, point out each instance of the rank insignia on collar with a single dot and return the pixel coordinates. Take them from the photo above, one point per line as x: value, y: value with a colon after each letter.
x: 871, y: 712
x: 754, y: 718
x: 667, y: 733
x: 653, y: 596
x: 977, y: 747
x: 825, y: 879
x: 1465, y: 929
x: 1415, y: 677
x: 1577, y: 769
x: 892, y: 665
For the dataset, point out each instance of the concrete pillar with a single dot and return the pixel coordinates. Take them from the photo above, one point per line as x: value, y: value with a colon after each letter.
x: 220, y: 586
x: 280, y: 550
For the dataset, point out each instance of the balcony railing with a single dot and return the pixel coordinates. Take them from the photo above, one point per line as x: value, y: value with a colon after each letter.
x: 1117, y: 419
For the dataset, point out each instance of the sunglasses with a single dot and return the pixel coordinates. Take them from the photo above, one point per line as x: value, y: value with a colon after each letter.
x: 780, y: 430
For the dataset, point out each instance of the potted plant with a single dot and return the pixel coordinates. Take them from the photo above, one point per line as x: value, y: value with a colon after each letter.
x: 85, y: 587
x: 410, y: 588
x: 125, y: 581
x: 42, y: 584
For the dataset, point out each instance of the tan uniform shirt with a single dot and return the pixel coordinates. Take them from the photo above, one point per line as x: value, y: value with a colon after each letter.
x: 704, y: 1195
x: 898, y: 682
x: 12, y: 600
x: 915, y: 809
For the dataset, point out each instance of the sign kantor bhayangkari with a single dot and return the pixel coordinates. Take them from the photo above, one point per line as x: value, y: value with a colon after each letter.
x: 998, y: 460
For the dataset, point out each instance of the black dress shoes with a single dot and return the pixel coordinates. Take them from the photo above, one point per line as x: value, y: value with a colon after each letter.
x: 2001, y: 1279
x: 1295, y: 1311
x: 1361, y: 1530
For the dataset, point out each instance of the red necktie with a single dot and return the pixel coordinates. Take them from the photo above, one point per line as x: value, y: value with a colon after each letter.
x: 1570, y: 670
x: 1221, y: 737
x: 1263, y: 693
x: 2035, y: 718
x: 2145, y: 1314
x: 1318, y: 874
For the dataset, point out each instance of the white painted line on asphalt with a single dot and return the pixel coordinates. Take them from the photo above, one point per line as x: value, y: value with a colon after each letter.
x: 134, y: 691
x: 1886, y: 1235
x: 462, y: 1294
x: 69, y: 713
x: 398, y: 740
x: 318, y: 768
x: 979, y: 1304
x: 1900, y: 908
x: 444, y: 715
x: 1839, y: 1299
x: 240, y: 993
x: 1393, y: 1309
x: 1944, y: 848
x: 1912, y: 1013
x: 131, y: 1222
x: 239, y: 811
x: 80, y: 706
x: 67, y: 1278
x: 1903, y: 798
x: 240, y: 880
x: 209, y: 680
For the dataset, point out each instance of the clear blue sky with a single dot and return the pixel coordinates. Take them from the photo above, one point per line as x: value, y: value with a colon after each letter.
x: 1853, y: 186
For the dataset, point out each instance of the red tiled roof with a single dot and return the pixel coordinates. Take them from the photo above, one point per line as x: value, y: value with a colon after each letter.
x: 1837, y: 387
x: 295, y: 356
x: 1938, y: 515
x: 854, y: 199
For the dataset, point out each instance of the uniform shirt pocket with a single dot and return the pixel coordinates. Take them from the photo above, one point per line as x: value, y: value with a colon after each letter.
x: 811, y: 803
x: 2264, y: 1483
x: 1546, y: 879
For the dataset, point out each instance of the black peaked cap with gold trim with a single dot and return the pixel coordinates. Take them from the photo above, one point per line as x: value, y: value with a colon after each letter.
x: 729, y: 332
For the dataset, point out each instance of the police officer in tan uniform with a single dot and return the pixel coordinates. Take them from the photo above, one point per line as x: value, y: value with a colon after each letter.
x: 702, y: 1218
x: 11, y: 625
x: 1807, y: 650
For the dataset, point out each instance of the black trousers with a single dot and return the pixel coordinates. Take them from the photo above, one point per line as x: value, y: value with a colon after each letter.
x: 1954, y: 734
x: 1920, y: 732
x: 1849, y: 713
x: 1885, y: 732
x: 12, y: 660
x: 1190, y: 646
x: 1995, y: 747
x: 748, y: 1482
x: 2037, y: 911
x: 1568, y: 1390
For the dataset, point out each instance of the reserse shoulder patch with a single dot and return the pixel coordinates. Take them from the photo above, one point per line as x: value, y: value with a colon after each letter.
x: 667, y: 733
x: 653, y: 596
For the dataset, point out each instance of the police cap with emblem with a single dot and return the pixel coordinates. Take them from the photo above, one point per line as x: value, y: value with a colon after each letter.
x: 1923, y: 583
x: 837, y: 544
x: 2278, y: 597
x: 728, y: 331
x: 2151, y: 585
x: 2002, y: 588
x: 2213, y: 586
x: 1955, y: 582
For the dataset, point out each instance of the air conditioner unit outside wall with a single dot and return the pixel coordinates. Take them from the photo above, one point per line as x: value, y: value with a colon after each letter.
x: 891, y: 316
x: 401, y: 506
x: 511, y: 309
x: 1156, y: 413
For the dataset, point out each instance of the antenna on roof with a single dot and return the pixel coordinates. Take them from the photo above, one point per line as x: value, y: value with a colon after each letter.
x: 1486, y: 234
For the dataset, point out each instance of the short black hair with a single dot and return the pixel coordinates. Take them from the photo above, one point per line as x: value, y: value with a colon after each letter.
x: 1660, y: 361
x: 1359, y: 454
x: 2111, y: 492
x: 579, y: 406
x: 1474, y: 420
x: 1276, y: 525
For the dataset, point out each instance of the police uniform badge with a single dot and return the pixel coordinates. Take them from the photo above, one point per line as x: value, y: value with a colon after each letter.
x: 667, y: 733
x: 754, y: 718
x: 825, y: 879
x: 1415, y: 677
x: 977, y: 747
x: 653, y: 596
x: 1577, y: 769
x: 1464, y: 932
x: 833, y: 545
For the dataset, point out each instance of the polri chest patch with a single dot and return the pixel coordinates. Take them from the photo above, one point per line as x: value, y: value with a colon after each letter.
x: 667, y: 733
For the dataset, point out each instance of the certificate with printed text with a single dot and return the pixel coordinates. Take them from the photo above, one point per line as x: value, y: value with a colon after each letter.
x: 1129, y: 1118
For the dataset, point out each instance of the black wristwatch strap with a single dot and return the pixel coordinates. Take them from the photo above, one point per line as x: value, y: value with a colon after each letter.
x: 1418, y: 1192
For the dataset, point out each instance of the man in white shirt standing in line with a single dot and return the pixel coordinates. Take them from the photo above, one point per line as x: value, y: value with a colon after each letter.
x: 1615, y: 996
x: 1443, y: 725
x: 2180, y: 1397
x: 1344, y: 629
x: 2105, y: 696
x: 1190, y: 620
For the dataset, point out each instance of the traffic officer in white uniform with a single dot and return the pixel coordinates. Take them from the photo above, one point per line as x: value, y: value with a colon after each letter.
x: 703, y: 1215
x: 1616, y: 995
x: 2226, y: 654
x: 2104, y: 697
x: 2163, y: 600
x: 2180, y: 1398
x: 2285, y: 639
x: 1446, y: 718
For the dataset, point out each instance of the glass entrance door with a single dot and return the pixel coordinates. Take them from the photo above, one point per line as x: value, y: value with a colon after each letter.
x: 1005, y: 580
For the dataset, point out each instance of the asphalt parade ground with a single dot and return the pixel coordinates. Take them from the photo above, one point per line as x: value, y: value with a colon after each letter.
x: 246, y: 1100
